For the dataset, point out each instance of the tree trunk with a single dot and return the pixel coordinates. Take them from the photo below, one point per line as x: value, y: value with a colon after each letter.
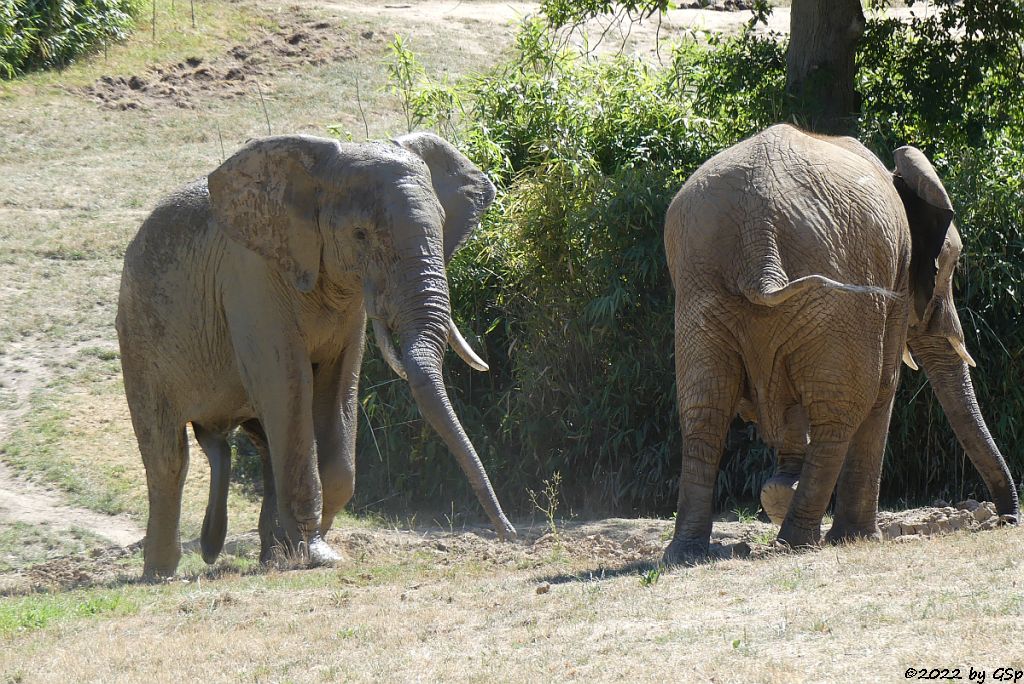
x: 820, y: 64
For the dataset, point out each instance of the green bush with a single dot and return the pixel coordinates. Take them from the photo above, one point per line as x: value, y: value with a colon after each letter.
x: 42, y: 34
x: 567, y: 285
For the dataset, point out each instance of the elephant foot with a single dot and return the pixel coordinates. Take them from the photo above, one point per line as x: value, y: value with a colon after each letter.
x: 157, y: 564
x: 776, y: 494
x: 685, y: 552
x: 842, y: 533
x: 321, y: 554
x: 799, y: 535
x: 317, y: 553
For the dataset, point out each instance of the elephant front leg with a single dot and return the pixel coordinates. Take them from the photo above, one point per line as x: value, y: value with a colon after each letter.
x: 777, y: 492
x: 296, y: 483
x: 335, y: 406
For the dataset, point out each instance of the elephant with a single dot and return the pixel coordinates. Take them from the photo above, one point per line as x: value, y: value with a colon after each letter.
x: 804, y: 272
x: 244, y: 300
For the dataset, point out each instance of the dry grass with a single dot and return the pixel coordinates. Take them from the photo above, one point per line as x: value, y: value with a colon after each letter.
x: 78, y: 178
x: 401, y: 610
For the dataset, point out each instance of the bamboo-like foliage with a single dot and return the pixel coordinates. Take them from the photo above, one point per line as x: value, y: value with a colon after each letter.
x: 42, y: 34
x: 567, y: 286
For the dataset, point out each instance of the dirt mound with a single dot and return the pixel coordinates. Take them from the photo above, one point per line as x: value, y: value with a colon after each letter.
x: 917, y: 523
x: 245, y: 70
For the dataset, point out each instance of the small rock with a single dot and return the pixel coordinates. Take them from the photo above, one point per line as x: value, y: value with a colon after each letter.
x: 193, y: 62
x: 367, y: 34
x: 136, y: 83
x: 543, y: 588
x: 982, y: 513
x: 907, y: 538
x: 968, y: 505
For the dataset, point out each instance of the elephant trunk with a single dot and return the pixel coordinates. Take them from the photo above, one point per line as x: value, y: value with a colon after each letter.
x: 950, y: 379
x: 423, y: 331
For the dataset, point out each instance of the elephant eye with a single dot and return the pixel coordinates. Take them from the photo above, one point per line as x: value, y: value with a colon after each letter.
x: 360, y: 234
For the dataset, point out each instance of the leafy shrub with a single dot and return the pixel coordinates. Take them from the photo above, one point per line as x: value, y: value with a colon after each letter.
x: 41, y: 34
x: 566, y: 280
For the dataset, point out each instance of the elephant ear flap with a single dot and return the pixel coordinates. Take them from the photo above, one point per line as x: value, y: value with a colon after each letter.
x: 463, y: 190
x: 930, y: 215
x: 264, y: 197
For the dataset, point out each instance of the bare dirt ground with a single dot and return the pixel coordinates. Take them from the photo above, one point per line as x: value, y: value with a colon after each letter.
x: 22, y: 372
x: 295, y: 40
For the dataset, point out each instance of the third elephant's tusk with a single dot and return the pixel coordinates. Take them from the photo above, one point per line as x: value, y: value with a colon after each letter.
x: 387, y: 348
x: 462, y: 348
x: 908, y: 359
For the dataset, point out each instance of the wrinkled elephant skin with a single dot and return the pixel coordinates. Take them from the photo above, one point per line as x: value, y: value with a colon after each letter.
x: 804, y: 272
x: 244, y: 301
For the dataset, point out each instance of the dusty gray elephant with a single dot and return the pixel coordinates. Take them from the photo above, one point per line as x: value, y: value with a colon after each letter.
x: 802, y: 270
x: 244, y: 301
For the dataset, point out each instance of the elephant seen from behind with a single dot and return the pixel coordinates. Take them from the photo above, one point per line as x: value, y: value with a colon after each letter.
x: 804, y: 271
x: 244, y: 301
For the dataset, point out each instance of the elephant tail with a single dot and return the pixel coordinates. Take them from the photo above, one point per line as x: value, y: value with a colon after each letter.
x: 764, y: 281
x: 769, y: 293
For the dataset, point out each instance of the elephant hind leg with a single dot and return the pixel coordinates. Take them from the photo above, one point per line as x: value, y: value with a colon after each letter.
x: 708, y: 385
x: 215, y: 522
x: 822, y: 464
x: 856, y: 508
x: 272, y: 535
x: 164, y: 451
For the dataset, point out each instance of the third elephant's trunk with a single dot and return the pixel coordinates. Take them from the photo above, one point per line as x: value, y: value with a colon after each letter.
x: 951, y: 381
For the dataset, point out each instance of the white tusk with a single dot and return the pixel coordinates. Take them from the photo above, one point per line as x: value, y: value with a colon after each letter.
x: 458, y: 343
x: 908, y: 359
x: 387, y: 348
x: 961, y: 351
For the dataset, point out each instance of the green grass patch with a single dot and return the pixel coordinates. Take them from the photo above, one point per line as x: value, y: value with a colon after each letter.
x: 39, y: 611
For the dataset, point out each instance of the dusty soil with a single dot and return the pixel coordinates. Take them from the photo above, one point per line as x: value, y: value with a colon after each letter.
x: 605, y: 546
x: 296, y: 40
x: 22, y: 371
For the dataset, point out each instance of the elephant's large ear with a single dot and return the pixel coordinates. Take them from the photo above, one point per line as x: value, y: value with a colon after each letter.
x: 463, y: 190
x: 265, y: 197
x: 936, y: 247
x: 930, y: 214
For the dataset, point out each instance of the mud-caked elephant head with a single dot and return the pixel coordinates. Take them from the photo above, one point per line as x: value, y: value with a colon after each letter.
x: 375, y: 220
x: 935, y: 335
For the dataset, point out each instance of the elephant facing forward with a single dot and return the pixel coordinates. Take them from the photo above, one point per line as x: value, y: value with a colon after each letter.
x: 803, y: 270
x: 244, y: 301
